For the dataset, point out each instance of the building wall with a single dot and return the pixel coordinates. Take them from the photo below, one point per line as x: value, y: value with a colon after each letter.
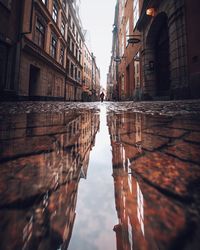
x: 87, y: 73
x: 165, y: 63
x: 193, y: 41
x: 10, y: 20
x: 126, y: 79
x: 41, y: 50
x: 42, y: 69
x: 75, y: 41
x: 50, y: 83
x: 129, y: 52
x: 169, y: 16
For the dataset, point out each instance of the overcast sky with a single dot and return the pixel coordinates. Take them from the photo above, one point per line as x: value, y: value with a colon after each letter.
x: 98, y: 17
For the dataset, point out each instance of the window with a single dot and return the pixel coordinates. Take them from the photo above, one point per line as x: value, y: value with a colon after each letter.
x: 70, y: 20
x: 122, y: 6
x: 62, y: 52
x: 64, y: 4
x: 76, y: 73
x: 72, y: 70
x: 122, y: 46
x: 69, y: 42
x: 63, y: 27
x: 79, y: 59
x: 53, y: 46
x: 73, y: 28
x: 39, y: 33
x: 45, y: 1
x: 72, y: 48
x: 135, y: 12
x: 122, y: 84
x: 55, y: 11
x: 79, y: 75
x: 77, y: 36
x: 127, y: 32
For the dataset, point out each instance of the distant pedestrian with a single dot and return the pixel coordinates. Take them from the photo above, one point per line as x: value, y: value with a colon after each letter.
x: 102, y: 96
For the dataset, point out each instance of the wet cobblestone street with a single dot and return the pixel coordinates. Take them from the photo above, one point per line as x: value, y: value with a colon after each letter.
x: 87, y: 176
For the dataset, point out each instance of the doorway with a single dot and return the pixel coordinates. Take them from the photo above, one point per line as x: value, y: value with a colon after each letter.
x: 33, y: 80
x: 162, y: 60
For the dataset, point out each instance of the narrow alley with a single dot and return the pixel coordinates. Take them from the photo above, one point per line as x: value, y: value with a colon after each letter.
x: 99, y: 176
x: 99, y: 125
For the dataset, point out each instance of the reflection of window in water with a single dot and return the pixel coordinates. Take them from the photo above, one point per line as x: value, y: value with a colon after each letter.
x: 27, y: 233
x: 124, y: 204
x: 140, y: 208
x: 130, y: 233
x: 123, y: 156
x: 139, y: 147
x: 130, y: 183
x: 138, y: 127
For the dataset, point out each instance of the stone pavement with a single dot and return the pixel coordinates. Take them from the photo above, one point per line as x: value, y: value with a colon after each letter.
x: 169, y: 108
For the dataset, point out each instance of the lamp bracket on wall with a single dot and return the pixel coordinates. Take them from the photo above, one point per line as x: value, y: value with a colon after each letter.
x: 119, y: 59
x: 134, y: 39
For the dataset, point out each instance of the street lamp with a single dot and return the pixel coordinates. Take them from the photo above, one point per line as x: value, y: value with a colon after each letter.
x: 151, y: 12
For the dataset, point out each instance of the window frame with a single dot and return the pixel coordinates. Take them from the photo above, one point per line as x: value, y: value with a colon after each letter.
x: 62, y: 55
x: 136, y: 12
x: 39, y: 33
x: 62, y: 26
x: 53, y: 46
x: 55, y: 11
x: 45, y: 2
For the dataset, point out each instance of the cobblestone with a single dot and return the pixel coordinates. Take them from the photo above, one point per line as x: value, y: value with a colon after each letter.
x: 167, y: 108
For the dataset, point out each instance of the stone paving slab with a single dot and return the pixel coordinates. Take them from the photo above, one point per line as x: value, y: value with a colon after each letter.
x: 185, y: 151
x: 166, y: 172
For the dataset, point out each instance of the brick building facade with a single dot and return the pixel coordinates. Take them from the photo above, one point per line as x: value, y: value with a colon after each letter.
x: 43, y: 51
x: 158, y: 50
x: 87, y: 73
x: 41, y: 44
x: 75, y: 41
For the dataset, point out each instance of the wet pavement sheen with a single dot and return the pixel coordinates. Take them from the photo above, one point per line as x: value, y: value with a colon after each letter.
x: 95, y: 176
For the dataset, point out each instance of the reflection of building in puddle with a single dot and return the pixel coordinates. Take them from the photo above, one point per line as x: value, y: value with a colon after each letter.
x: 130, y: 211
x: 126, y: 142
x: 52, y: 153
x: 138, y: 133
x: 27, y: 233
x: 140, y: 208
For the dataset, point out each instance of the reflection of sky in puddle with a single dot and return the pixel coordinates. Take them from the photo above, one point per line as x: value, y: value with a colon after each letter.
x: 96, y: 214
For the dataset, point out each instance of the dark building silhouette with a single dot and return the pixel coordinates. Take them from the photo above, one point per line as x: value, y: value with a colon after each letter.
x: 11, y: 13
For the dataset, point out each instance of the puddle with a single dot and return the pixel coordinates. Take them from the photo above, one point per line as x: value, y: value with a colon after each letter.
x: 99, y: 179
